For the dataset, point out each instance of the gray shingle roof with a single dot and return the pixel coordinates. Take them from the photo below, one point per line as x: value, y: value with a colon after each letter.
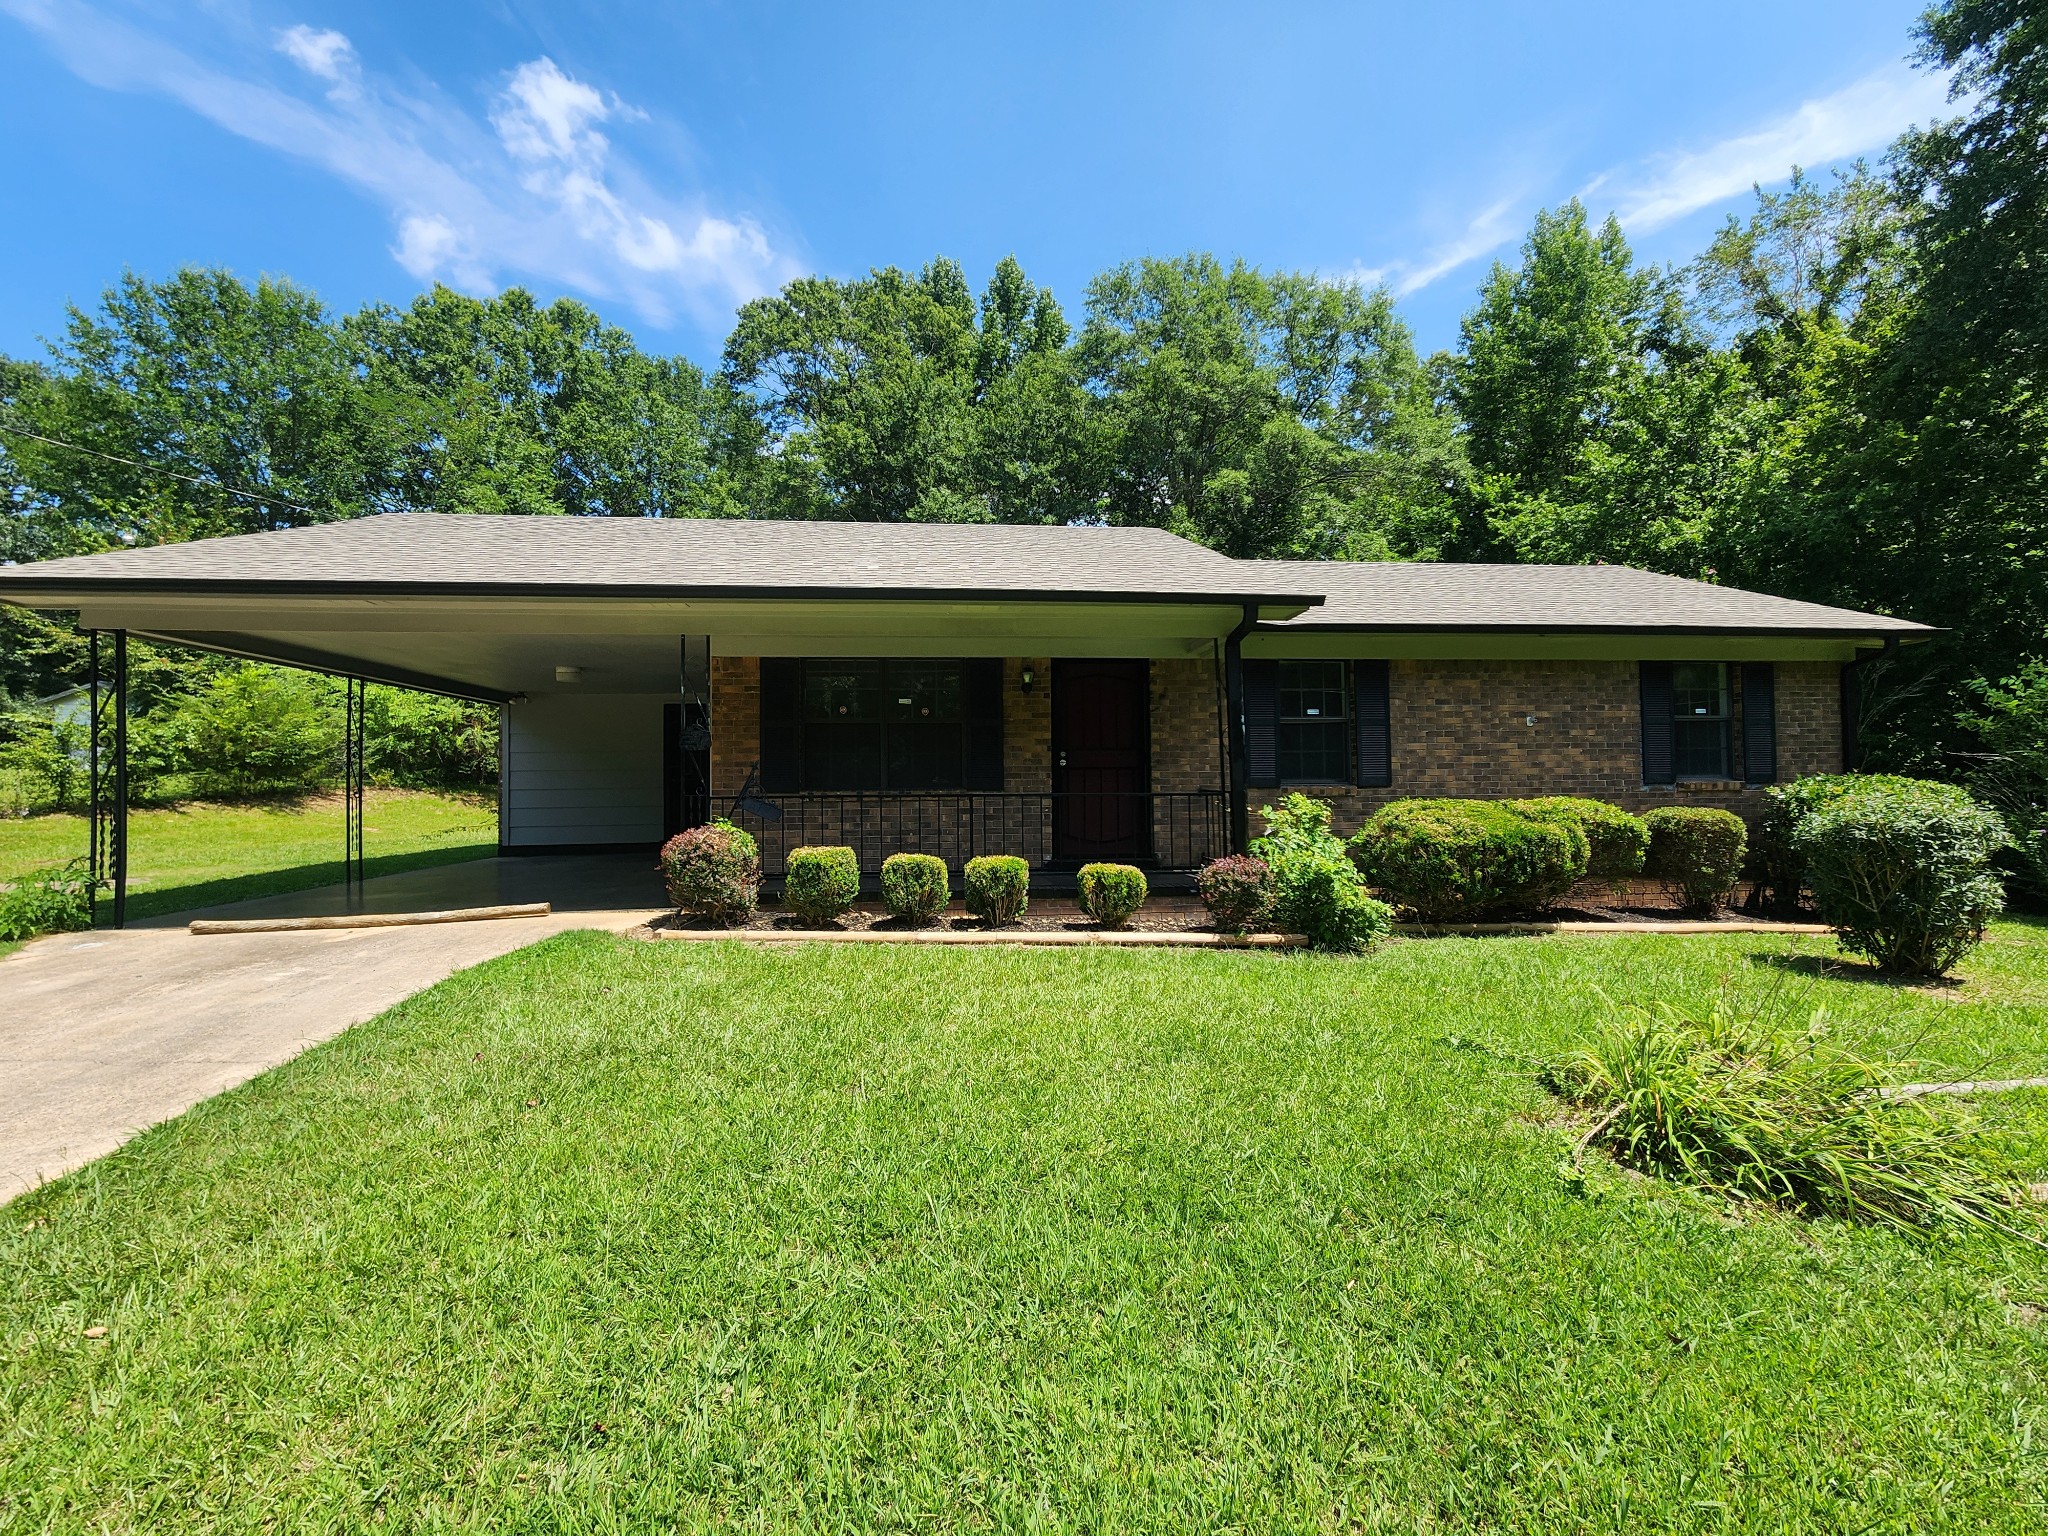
x: 1373, y: 595
x: 677, y: 557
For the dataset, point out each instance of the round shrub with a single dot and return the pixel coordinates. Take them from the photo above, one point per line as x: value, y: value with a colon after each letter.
x: 915, y: 886
x: 1317, y: 891
x: 1110, y: 893
x: 820, y: 884
x: 1902, y: 872
x: 1780, y: 866
x: 1698, y: 851
x: 997, y: 888
x: 1615, y: 840
x: 1456, y: 860
x: 714, y: 872
x: 1238, y: 891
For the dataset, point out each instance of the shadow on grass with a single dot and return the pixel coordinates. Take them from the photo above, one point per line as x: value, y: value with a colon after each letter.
x: 1840, y: 968
x: 159, y: 900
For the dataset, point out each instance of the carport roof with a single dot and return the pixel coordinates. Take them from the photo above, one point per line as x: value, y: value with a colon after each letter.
x: 422, y: 553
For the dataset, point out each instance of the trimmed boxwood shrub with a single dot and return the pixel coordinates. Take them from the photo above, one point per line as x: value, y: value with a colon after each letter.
x: 1110, y: 893
x: 1615, y: 840
x: 820, y: 884
x: 997, y: 887
x: 1457, y: 860
x: 1902, y: 871
x: 915, y: 886
x: 1780, y: 866
x: 1238, y: 891
x: 714, y: 872
x: 1318, y: 891
x: 1697, y: 851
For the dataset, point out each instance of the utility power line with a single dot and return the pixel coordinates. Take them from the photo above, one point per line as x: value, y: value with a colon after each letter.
x: 158, y: 469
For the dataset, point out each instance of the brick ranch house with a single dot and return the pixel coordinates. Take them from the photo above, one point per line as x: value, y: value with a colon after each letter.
x: 1064, y: 693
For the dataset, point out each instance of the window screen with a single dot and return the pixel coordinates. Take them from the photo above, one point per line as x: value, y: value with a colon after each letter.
x: 1700, y: 719
x: 1313, y: 731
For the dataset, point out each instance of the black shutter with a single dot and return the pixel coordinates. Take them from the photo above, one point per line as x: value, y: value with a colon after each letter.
x: 1375, y: 736
x: 1261, y: 722
x: 984, y: 702
x: 781, y: 728
x: 1759, y: 723
x: 1658, y: 765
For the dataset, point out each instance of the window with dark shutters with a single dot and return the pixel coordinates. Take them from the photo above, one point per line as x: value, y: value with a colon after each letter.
x: 1262, y: 722
x: 1659, y: 766
x: 781, y: 728
x: 984, y: 690
x: 1759, y: 723
x: 1375, y: 735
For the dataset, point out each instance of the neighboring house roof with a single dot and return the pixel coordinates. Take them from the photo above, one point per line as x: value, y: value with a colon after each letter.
x: 675, y: 557
x: 1422, y: 596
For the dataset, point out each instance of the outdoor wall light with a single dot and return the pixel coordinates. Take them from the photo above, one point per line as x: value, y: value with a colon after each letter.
x: 568, y: 674
x: 1029, y: 677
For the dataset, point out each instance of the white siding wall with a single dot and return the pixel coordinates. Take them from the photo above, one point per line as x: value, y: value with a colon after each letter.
x: 582, y: 768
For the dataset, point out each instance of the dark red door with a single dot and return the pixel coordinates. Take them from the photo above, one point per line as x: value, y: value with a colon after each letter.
x: 1101, y: 759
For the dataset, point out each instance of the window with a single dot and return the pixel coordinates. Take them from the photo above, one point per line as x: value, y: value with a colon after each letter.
x: 1700, y: 720
x: 883, y: 724
x: 1312, y: 735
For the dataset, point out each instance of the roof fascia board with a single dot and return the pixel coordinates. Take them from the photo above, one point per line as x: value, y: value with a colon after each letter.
x: 1632, y: 645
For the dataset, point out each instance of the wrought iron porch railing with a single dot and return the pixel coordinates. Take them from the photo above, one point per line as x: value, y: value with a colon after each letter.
x: 1176, y: 830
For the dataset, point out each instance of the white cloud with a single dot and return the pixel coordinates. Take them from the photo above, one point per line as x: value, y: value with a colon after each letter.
x: 1858, y: 119
x: 536, y: 192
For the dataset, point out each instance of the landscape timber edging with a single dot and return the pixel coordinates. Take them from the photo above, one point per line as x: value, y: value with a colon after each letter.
x: 1169, y: 939
x: 367, y: 919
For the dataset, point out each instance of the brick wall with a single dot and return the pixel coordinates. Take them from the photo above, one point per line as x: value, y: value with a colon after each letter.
x: 1186, y: 718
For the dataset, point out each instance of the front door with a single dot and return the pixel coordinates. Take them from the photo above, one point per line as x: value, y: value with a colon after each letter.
x: 1101, y: 759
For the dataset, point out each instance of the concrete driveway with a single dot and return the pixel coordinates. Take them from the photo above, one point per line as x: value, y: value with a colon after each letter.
x: 104, y: 1034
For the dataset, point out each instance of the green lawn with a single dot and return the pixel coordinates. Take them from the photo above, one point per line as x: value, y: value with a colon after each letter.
x: 610, y: 1236
x: 197, y: 855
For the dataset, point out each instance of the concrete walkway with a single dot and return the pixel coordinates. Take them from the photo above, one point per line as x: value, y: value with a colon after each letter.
x: 104, y: 1034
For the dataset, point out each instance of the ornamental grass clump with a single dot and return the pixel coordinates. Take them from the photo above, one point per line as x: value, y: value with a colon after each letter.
x: 1237, y: 891
x: 1697, y: 852
x: 915, y: 887
x: 713, y: 872
x: 1902, y: 871
x: 1110, y: 893
x: 1752, y: 1112
x: 820, y: 885
x: 1615, y: 840
x: 1457, y: 860
x: 997, y: 888
x: 1318, y: 891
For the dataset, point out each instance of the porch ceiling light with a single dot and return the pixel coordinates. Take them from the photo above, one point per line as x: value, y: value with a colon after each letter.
x: 568, y: 674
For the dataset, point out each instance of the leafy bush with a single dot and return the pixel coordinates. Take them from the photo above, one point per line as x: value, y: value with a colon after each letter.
x: 1456, y: 860
x: 714, y: 872
x: 1110, y: 893
x: 421, y: 741
x: 43, y: 763
x: 1780, y: 867
x: 1697, y: 851
x: 256, y: 730
x: 1318, y: 891
x: 915, y: 886
x: 2011, y: 774
x: 1762, y: 1114
x: 51, y: 900
x: 997, y: 888
x: 1238, y: 891
x: 820, y: 884
x: 1615, y: 840
x: 1902, y: 872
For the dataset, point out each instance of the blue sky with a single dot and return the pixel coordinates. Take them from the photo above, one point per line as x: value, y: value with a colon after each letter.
x: 666, y: 161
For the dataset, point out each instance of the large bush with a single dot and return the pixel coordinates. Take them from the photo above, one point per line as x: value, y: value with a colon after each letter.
x: 1458, y: 860
x: 1615, y: 840
x: 1780, y: 866
x: 1697, y: 851
x: 1902, y: 872
x: 915, y: 886
x: 820, y: 884
x: 1110, y: 893
x: 713, y: 872
x: 997, y: 888
x: 43, y: 763
x: 257, y: 730
x: 422, y: 741
x: 1238, y: 892
x: 1318, y: 891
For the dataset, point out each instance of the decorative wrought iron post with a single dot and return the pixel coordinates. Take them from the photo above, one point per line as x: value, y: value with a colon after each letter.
x: 353, y: 872
x: 107, y: 780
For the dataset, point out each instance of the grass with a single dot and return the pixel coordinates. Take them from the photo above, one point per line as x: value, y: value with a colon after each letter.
x: 612, y: 1236
x: 200, y: 855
